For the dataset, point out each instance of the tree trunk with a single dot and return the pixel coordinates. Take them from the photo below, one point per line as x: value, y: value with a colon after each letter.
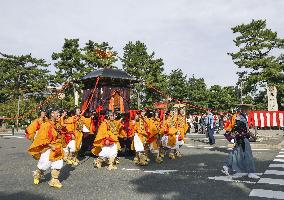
x: 272, y: 98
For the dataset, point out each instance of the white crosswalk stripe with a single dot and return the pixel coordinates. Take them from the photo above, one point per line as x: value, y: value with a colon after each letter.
x: 274, y: 172
x: 278, y: 160
x: 274, y: 177
x: 267, y: 194
x: 271, y: 181
x: 276, y: 165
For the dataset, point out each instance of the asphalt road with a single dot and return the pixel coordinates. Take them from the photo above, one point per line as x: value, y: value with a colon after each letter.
x: 196, y: 175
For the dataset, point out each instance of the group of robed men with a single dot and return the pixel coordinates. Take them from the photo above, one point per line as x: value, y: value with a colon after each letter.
x: 57, y: 137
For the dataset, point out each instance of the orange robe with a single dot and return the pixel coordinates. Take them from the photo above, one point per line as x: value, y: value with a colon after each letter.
x: 231, y: 123
x: 74, y: 126
x: 88, y: 122
x: 172, y: 131
x: 47, y: 135
x: 182, y: 126
x: 131, y: 128
x: 153, y: 132
x: 164, y: 127
x: 120, y: 127
x: 139, y: 128
x: 33, y: 128
x: 107, y: 131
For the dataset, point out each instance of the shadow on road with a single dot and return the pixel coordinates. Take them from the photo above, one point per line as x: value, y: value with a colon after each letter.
x: 200, y: 140
x: 23, y: 196
x: 190, y: 181
x: 223, y: 150
x: 65, y: 172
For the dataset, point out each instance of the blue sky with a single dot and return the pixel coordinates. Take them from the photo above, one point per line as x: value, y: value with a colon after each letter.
x: 192, y: 35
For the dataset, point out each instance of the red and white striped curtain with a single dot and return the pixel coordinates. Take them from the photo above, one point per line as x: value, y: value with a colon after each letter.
x: 266, y: 118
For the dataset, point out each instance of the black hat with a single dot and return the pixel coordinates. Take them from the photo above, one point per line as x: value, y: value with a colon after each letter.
x: 150, y: 113
x: 108, y: 113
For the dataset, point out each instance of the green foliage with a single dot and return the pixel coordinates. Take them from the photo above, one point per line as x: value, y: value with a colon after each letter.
x: 223, y: 99
x: 256, y: 56
x: 21, y: 74
x: 178, y: 85
x: 99, y: 55
x: 9, y: 109
x: 69, y: 65
x: 144, y: 66
x: 280, y: 87
x: 197, y: 93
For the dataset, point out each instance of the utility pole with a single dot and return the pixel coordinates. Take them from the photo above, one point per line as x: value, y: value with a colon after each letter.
x: 18, y: 113
x: 19, y: 99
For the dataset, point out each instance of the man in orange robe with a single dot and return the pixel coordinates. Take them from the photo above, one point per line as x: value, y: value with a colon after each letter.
x: 164, y: 134
x: 170, y: 138
x: 174, y: 129
x: 182, y: 128
x: 47, y: 148
x: 76, y: 126
x: 139, y: 134
x: 33, y: 128
x: 152, y: 143
x: 106, y: 143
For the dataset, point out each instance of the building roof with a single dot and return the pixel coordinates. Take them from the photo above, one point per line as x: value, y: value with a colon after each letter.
x: 109, y: 73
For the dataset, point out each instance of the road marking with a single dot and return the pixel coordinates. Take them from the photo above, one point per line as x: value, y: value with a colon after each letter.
x: 14, y: 136
x: 223, y: 147
x: 267, y: 194
x: 254, y: 149
x: 274, y: 172
x: 4, y: 135
x: 270, y: 193
x: 130, y: 169
x: 229, y: 179
x: 277, y: 165
x: 281, y: 152
x: 278, y: 160
x: 187, y: 145
x: 153, y: 171
x: 260, y: 149
x: 240, y: 175
x: 161, y: 171
x: 271, y: 181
